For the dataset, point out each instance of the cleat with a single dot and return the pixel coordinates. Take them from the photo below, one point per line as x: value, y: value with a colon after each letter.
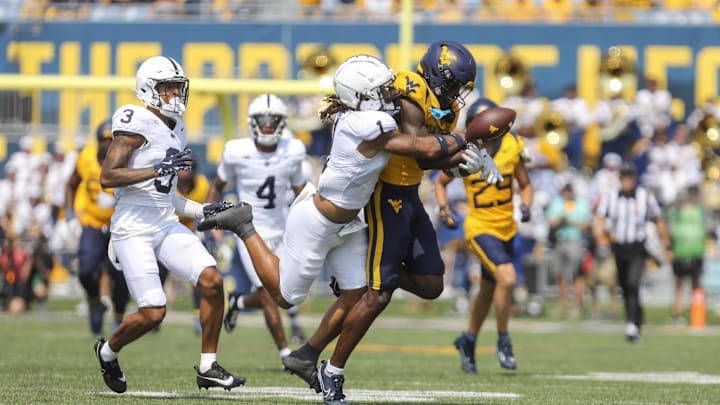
x: 216, y: 376
x: 466, y: 346
x: 237, y: 219
x: 97, y: 316
x: 230, y: 319
x: 505, y: 354
x: 112, y: 374
x: 303, y: 368
x: 331, y: 386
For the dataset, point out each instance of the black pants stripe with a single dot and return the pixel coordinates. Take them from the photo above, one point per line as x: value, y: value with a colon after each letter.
x: 630, y: 261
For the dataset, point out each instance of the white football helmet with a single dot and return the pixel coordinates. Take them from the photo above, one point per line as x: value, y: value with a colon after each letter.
x: 267, y: 111
x: 162, y: 69
x: 364, y: 82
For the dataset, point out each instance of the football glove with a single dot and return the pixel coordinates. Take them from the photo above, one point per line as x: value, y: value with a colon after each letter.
x: 448, y: 217
x: 171, y: 164
x: 524, y: 213
x: 215, y: 207
x: 490, y: 172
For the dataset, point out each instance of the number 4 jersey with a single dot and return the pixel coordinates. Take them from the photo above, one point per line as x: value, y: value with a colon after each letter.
x: 146, y: 207
x: 264, y: 179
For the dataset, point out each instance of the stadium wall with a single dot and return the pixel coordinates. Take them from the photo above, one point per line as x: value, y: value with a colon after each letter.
x: 683, y: 59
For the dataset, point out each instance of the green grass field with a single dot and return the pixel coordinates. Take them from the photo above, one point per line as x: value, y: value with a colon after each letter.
x: 47, y: 358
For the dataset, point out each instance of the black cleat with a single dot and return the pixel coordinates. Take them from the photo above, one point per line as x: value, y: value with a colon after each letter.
x: 303, y: 368
x: 466, y: 346
x: 237, y: 219
x: 230, y: 319
x: 216, y: 376
x: 111, y: 372
x: 332, y: 386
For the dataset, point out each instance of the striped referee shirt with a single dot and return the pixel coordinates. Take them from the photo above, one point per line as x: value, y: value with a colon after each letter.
x: 626, y: 215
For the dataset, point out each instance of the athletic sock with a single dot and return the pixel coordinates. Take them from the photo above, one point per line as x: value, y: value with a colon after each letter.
x: 206, y: 361
x: 332, y: 370
x: 106, y: 353
x: 240, y: 302
x: 285, y: 352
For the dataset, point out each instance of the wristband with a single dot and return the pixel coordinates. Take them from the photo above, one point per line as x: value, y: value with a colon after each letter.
x: 460, y: 142
x: 443, y: 145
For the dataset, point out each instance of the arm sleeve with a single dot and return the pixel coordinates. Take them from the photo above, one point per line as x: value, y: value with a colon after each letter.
x: 187, y: 208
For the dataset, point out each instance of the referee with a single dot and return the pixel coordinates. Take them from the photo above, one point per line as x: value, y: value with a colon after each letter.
x: 620, y: 222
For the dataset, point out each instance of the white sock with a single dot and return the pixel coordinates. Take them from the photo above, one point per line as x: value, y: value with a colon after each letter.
x: 106, y: 353
x: 285, y: 352
x: 206, y: 360
x: 332, y: 370
x: 239, y: 302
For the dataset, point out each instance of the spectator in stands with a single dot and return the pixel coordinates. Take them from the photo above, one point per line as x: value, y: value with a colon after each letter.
x: 569, y: 218
x: 576, y: 113
x: 688, y: 231
x: 37, y: 279
x: 12, y: 264
x: 621, y: 218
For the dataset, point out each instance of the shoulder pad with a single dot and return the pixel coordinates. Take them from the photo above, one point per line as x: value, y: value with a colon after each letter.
x: 132, y: 118
x: 295, y: 147
x: 235, y: 148
x: 368, y: 125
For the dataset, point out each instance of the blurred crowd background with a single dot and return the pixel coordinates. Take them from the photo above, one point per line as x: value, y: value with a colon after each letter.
x: 438, y: 11
x: 576, y: 149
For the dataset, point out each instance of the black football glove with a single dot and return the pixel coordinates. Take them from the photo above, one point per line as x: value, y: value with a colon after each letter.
x: 524, y: 213
x: 448, y: 217
x: 171, y: 164
x: 334, y: 286
x: 215, y: 207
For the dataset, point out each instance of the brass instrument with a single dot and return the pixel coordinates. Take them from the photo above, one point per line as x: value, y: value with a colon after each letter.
x: 318, y: 64
x: 512, y: 74
x: 707, y: 133
x: 617, y: 73
x: 551, y: 127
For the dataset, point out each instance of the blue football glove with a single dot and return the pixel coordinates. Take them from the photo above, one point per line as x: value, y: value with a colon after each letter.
x: 448, y: 217
x: 215, y: 207
x: 171, y: 164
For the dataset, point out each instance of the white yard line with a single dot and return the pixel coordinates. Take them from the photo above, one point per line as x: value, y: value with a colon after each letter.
x: 303, y: 394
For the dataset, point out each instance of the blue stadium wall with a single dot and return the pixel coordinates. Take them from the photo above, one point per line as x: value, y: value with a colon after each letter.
x: 685, y: 59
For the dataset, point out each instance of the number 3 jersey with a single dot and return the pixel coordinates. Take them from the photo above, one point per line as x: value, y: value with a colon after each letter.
x: 491, y: 207
x: 146, y: 207
x: 264, y: 179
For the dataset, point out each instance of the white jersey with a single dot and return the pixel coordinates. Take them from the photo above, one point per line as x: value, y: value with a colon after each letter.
x: 349, y: 177
x: 264, y: 179
x: 147, y: 206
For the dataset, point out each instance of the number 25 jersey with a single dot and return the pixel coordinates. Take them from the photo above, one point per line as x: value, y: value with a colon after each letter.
x: 491, y: 206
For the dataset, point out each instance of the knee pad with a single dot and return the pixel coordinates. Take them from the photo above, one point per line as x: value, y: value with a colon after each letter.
x: 152, y: 298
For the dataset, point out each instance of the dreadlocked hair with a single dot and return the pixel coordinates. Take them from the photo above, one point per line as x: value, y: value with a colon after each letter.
x: 329, y: 106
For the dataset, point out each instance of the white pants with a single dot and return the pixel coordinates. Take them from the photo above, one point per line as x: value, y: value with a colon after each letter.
x: 311, y: 240
x: 176, y: 247
x: 274, y: 244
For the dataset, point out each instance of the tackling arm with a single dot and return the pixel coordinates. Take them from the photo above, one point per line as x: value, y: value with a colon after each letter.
x: 216, y: 189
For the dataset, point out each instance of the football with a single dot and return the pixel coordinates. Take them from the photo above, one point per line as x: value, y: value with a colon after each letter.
x: 490, y: 124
